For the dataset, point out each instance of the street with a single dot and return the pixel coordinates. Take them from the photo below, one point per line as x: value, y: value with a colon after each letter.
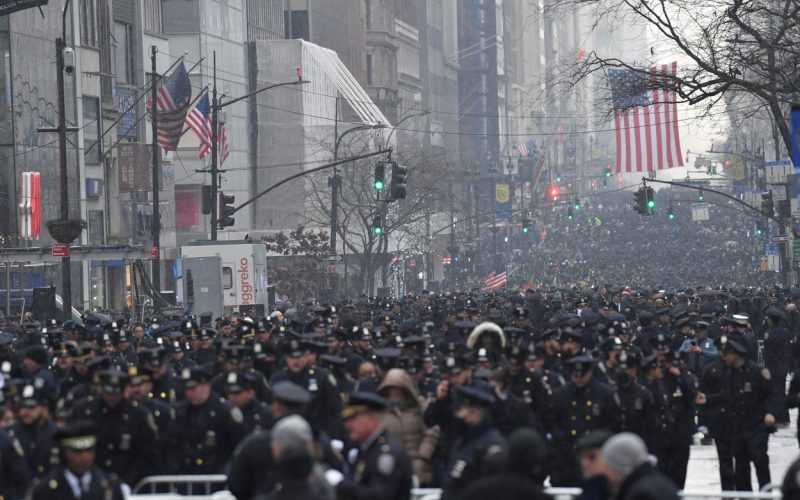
x: 703, y: 471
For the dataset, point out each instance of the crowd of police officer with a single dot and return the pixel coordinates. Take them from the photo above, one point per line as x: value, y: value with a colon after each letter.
x: 372, y: 396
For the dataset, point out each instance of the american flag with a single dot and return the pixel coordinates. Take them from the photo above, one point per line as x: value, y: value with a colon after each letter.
x: 525, y: 149
x: 172, y: 103
x: 199, y: 120
x: 495, y: 280
x: 645, y: 120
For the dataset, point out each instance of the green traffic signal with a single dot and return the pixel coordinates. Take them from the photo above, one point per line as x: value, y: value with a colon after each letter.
x: 651, y: 204
x: 525, y: 230
x: 377, y: 230
x: 569, y: 214
x: 378, y: 185
x: 701, y: 196
x: 577, y: 204
x: 670, y: 214
x: 558, y: 179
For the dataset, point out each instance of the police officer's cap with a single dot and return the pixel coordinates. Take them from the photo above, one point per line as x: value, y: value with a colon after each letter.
x: 192, y: 377
x: 295, y: 348
x: 33, y: 393
x: 474, y: 396
x: 734, y: 346
x: 681, y: 322
x: 238, y: 382
x: 700, y: 325
x: 332, y: 360
x: 650, y: 362
x: 581, y: 363
x: 774, y: 313
x: 290, y: 393
x: 572, y: 336
x: 79, y: 436
x: 740, y: 319
x: 138, y: 375
x: 111, y: 381
x: 595, y: 439
x: 363, y: 402
x: 551, y: 333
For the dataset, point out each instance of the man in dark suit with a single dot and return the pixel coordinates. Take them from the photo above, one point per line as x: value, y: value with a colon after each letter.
x: 77, y: 478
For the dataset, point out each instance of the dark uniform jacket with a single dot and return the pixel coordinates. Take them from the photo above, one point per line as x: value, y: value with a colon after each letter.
x: 636, y: 404
x: 382, y: 471
x: 252, y: 467
x: 125, y: 437
x: 474, y: 448
x: 749, y: 395
x: 37, y: 445
x: 206, y: 435
x: 14, y: 475
x: 54, y: 486
x: 577, y: 411
x: 778, y: 350
x: 325, y: 408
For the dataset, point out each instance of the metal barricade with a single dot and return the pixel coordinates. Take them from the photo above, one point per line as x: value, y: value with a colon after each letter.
x: 573, y: 493
x: 205, y: 486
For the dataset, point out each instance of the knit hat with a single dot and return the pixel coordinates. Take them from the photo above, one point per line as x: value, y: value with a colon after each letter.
x: 624, y: 452
x: 291, y: 431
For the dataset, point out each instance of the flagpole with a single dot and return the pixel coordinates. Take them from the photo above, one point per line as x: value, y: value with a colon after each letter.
x: 214, y: 153
x: 155, y: 225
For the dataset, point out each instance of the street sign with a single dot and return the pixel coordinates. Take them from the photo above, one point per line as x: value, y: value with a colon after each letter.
x: 776, y: 239
x: 777, y: 171
x: 154, y: 253
x: 333, y: 258
x: 9, y: 6
x: 771, y: 249
x: 60, y: 250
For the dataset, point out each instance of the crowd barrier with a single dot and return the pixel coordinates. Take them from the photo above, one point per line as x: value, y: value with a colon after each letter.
x: 202, y: 487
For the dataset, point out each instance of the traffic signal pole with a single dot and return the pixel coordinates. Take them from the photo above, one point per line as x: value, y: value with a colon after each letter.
x: 214, y: 153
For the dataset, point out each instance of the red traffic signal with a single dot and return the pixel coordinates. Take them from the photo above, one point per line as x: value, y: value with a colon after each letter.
x: 555, y: 192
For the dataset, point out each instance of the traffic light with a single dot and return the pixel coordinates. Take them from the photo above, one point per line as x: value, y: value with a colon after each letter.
x: 558, y: 180
x: 526, y: 225
x: 605, y: 183
x: 651, y: 200
x: 577, y: 204
x: 759, y: 229
x: 377, y: 225
x: 608, y: 172
x: 208, y: 200
x: 701, y: 196
x: 670, y: 213
x: 379, y: 181
x: 555, y: 192
x: 569, y: 214
x: 767, y: 205
x: 399, y: 181
x: 225, y: 212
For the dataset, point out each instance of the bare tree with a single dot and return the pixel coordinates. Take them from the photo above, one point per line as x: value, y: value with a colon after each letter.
x: 730, y: 47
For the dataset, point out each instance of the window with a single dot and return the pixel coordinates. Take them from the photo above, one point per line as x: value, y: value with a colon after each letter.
x: 88, y: 13
x: 151, y: 19
x: 368, y: 14
x: 93, y: 149
x: 122, y: 53
x: 369, y: 70
x: 96, y: 227
x: 227, y: 278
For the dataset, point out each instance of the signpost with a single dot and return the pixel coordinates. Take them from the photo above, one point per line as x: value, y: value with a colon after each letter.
x: 60, y: 250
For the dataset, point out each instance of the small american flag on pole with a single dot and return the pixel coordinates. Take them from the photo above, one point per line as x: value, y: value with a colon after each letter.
x: 525, y: 149
x: 645, y: 119
x: 199, y: 120
x: 495, y: 280
x: 172, y: 103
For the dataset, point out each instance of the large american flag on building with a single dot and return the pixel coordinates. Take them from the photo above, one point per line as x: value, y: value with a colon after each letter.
x: 199, y: 120
x: 645, y: 119
x: 172, y: 103
x: 495, y: 280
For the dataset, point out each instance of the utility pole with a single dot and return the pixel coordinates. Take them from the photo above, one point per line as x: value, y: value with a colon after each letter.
x: 335, y: 182
x: 62, y: 130
x: 155, y: 226
x: 214, y: 154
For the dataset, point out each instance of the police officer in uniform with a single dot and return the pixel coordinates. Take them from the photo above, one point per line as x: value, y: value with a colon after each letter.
x: 480, y: 446
x: 382, y: 470
x: 579, y: 407
x: 749, y: 396
x: 78, y: 476
x: 325, y: 403
x: 240, y: 390
x: 778, y: 347
x: 34, y: 432
x: 206, y: 430
x: 125, y: 433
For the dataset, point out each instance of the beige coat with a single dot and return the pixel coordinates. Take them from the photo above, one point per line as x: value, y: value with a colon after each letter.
x: 404, y: 420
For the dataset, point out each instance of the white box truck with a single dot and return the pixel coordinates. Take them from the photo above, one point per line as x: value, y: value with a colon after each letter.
x: 225, y: 276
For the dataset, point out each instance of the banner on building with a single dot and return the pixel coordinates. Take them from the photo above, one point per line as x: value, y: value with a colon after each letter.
x: 135, y: 162
x: 9, y: 6
x: 30, y: 206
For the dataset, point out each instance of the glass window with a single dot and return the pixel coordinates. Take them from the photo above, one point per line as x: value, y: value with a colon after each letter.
x: 93, y: 149
x: 88, y: 11
x: 180, y: 16
x: 227, y: 278
x: 151, y: 19
x: 122, y: 54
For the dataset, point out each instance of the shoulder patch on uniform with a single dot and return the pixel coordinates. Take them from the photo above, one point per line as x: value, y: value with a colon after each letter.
x: 386, y: 464
x: 766, y: 374
x: 236, y: 415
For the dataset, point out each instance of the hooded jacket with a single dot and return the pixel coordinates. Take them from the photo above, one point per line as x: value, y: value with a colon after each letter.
x: 404, y: 420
